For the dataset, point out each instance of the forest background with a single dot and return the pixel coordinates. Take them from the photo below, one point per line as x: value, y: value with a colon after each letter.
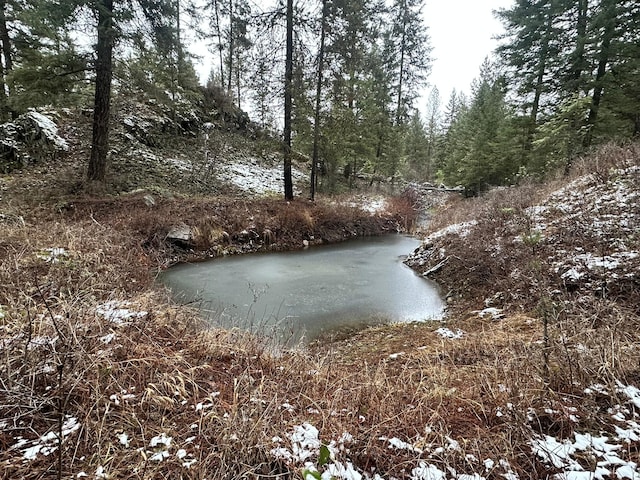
x: 566, y: 78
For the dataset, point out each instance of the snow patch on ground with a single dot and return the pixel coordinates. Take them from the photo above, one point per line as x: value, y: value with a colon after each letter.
x: 590, y: 226
x: 118, y: 312
x: 491, y: 312
x: 461, y: 229
x: 48, y: 443
x: 52, y: 255
x: 444, y: 332
x: 253, y: 177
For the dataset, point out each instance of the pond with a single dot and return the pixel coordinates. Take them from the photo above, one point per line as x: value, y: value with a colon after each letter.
x: 304, y: 295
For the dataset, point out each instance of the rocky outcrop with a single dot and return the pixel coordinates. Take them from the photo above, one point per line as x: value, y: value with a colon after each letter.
x: 32, y: 136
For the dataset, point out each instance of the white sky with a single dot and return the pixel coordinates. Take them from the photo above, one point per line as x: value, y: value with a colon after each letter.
x: 461, y: 34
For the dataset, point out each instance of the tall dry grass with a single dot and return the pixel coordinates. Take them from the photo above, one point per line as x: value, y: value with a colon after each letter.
x: 223, y: 396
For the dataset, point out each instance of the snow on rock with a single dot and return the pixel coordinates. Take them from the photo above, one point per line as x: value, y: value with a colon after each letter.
x: 28, y: 137
x: 48, y: 129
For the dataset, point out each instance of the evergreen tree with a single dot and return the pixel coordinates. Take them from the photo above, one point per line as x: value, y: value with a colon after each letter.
x: 480, y: 154
x: 160, y: 17
x: 40, y: 62
x: 263, y: 83
x: 561, y: 52
x: 433, y: 132
x: 534, y: 34
x: 318, y: 102
x: 409, y: 42
x: 417, y: 149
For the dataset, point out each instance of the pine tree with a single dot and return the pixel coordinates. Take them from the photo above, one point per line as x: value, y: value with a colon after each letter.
x: 410, y: 45
x: 101, y: 108
x: 534, y: 40
x: 417, y: 149
x: 160, y: 18
x: 561, y: 52
x: 318, y: 102
x: 481, y: 138
x: 432, y: 131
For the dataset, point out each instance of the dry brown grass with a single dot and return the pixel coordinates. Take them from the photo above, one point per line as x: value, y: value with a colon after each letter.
x: 57, y: 361
x: 222, y: 396
x: 398, y: 381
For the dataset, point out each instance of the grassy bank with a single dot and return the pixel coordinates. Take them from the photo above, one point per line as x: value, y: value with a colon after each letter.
x: 94, y: 354
x: 102, y: 377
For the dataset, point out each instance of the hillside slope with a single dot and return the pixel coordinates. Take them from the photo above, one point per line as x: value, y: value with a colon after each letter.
x: 567, y: 243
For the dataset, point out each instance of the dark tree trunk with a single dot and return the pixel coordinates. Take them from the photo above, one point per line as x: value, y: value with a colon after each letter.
x: 403, y: 46
x: 5, y: 39
x: 542, y: 68
x: 104, y: 50
x: 603, y: 61
x: 581, y: 40
x: 316, y: 125
x: 220, y: 47
x: 231, y: 52
x: 288, y: 104
x: 6, y: 64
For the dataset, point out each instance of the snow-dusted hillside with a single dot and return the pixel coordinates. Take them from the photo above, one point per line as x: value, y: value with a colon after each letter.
x: 582, y: 239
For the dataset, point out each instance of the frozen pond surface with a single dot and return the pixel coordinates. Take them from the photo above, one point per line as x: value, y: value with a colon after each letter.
x: 306, y: 294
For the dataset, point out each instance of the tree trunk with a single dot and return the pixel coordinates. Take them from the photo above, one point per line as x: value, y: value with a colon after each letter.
x: 581, y: 40
x: 179, y: 50
x: 219, y: 35
x: 104, y: 50
x: 402, y: 52
x: 603, y: 61
x: 542, y: 68
x: 238, y: 90
x: 231, y: 52
x: 6, y: 63
x: 5, y: 39
x: 288, y: 104
x: 316, y: 124
x: 578, y: 67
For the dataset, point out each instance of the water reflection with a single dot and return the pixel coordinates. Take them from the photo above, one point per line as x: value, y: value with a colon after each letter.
x: 307, y: 293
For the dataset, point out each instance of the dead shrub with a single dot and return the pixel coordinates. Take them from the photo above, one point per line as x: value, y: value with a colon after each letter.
x: 406, y: 208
